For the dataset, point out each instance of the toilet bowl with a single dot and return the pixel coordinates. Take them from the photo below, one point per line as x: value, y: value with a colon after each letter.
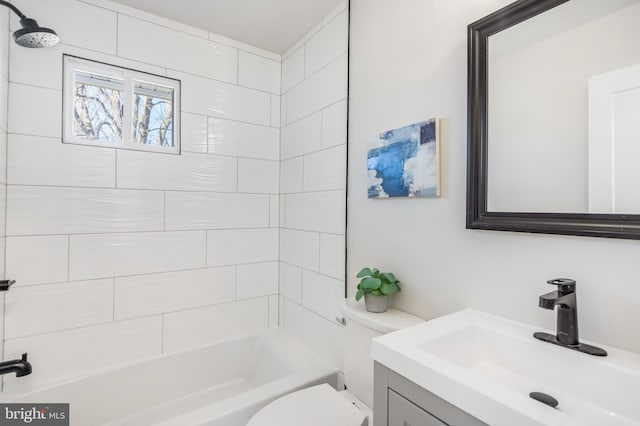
x: 322, y: 405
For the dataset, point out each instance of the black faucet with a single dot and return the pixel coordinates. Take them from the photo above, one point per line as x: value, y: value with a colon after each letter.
x: 567, y: 325
x: 21, y: 367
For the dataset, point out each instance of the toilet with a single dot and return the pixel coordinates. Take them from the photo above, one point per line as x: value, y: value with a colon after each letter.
x: 322, y: 405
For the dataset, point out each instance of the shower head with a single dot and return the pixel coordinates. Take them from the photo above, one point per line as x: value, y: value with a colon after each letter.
x: 31, y: 34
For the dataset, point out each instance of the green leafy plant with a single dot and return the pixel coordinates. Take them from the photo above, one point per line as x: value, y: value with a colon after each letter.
x: 376, y: 283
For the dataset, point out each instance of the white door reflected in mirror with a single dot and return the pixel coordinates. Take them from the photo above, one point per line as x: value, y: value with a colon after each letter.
x: 614, y: 141
x: 538, y: 157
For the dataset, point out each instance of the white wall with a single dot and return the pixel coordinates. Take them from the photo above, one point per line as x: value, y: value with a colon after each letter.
x: 121, y: 254
x: 313, y: 183
x: 408, y: 63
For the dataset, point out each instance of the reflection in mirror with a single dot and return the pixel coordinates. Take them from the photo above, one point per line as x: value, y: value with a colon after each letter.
x: 563, y: 134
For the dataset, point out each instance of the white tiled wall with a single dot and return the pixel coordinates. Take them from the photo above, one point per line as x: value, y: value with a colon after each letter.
x: 313, y: 183
x: 124, y: 254
x: 4, y: 84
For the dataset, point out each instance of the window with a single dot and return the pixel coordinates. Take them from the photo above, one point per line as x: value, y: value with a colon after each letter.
x: 105, y: 105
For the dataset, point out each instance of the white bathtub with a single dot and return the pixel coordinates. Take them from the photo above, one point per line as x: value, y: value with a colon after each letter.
x: 222, y: 384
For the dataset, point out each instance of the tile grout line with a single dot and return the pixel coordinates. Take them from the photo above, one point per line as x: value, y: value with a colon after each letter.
x: 226, y: 266
x: 136, y: 318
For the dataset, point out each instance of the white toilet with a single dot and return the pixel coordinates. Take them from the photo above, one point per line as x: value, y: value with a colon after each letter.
x: 322, y: 405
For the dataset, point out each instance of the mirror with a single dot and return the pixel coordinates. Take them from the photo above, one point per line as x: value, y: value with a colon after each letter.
x: 554, y: 140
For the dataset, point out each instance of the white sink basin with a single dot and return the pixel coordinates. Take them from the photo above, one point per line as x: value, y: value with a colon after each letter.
x: 487, y: 366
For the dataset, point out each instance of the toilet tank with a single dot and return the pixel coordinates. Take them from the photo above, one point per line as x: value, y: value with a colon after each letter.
x: 361, y: 327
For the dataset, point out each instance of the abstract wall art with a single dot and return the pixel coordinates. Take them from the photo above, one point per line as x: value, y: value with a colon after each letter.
x: 405, y: 162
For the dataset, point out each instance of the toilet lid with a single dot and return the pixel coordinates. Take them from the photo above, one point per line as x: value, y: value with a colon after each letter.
x: 315, y: 406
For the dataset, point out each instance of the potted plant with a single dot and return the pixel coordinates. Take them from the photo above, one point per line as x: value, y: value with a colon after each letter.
x: 376, y: 287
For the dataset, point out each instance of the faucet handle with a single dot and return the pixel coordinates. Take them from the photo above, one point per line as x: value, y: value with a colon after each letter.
x: 565, y: 285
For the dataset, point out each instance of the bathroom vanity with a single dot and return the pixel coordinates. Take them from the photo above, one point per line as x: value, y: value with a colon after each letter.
x: 471, y: 368
x: 398, y: 401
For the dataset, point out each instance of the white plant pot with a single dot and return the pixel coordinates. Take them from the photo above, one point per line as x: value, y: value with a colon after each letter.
x: 376, y: 304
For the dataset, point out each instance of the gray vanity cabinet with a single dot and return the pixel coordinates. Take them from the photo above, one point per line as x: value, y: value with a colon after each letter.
x: 400, y: 402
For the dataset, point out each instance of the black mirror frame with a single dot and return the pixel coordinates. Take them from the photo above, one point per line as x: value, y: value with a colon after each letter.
x: 594, y: 225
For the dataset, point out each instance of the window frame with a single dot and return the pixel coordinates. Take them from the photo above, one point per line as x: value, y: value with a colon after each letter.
x: 72, y: 64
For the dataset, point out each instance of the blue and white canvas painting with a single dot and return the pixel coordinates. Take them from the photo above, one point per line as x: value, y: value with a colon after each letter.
x: 404, y: 162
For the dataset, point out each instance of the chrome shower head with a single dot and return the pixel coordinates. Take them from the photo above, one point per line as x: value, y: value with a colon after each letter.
x: 31, y: 34
x: 34, y: 36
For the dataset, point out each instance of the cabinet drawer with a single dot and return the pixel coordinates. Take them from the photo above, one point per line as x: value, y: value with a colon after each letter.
x: 403, y: 412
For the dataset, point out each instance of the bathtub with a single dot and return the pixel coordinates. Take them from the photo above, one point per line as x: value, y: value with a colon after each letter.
x: 222, y: 384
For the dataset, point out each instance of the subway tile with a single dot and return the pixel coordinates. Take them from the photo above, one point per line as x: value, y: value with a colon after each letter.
x: 283, y: 212
x: 239, y: 246
x: 222, y: 100
x: 35, y: 160
x: 35, y: 210
x: 302, y: 40
x: 274, y: 211
x: 208, y: 210
x: 80, y: 351
x: 274, y: 311
x: 335, y: 12
x: 114, y: 255
x: 3, y: 209
x: 43, y: 67
x: 281, y: 312
x: 283, y: 110
x: 321, y: 294
x: 194, y: 133
x: 149, y: 17
x: 291, y: 175
x: 275, y: 111
x: 3, y: 252
x: 326, y: 170
x: 300, y: 248
x: 46, y: 308
x: 257, y: 279
x: 196, y: 327
x: 4, y: 112
x: 334, y: 125
x: 258, y: 72
x: 3, y: 157
x: 291, y: 282
x: 144, y: 295
x: 244, y: 46
x: 322, y: 336
x: 317, y: 211
x: 37, y: 260
x: 140, y: 40
x: 324, y: 88
x: 258, y: 176
x: 238, y: 139
x: 77, y: 23
x: 327, y: 45
x: 332, y: 255
x: 188, y: 172
x: 293, y: 69
x: 4, y: 43
x: 37, y: 67
x: 302, y: 137
x: 27, y: 102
